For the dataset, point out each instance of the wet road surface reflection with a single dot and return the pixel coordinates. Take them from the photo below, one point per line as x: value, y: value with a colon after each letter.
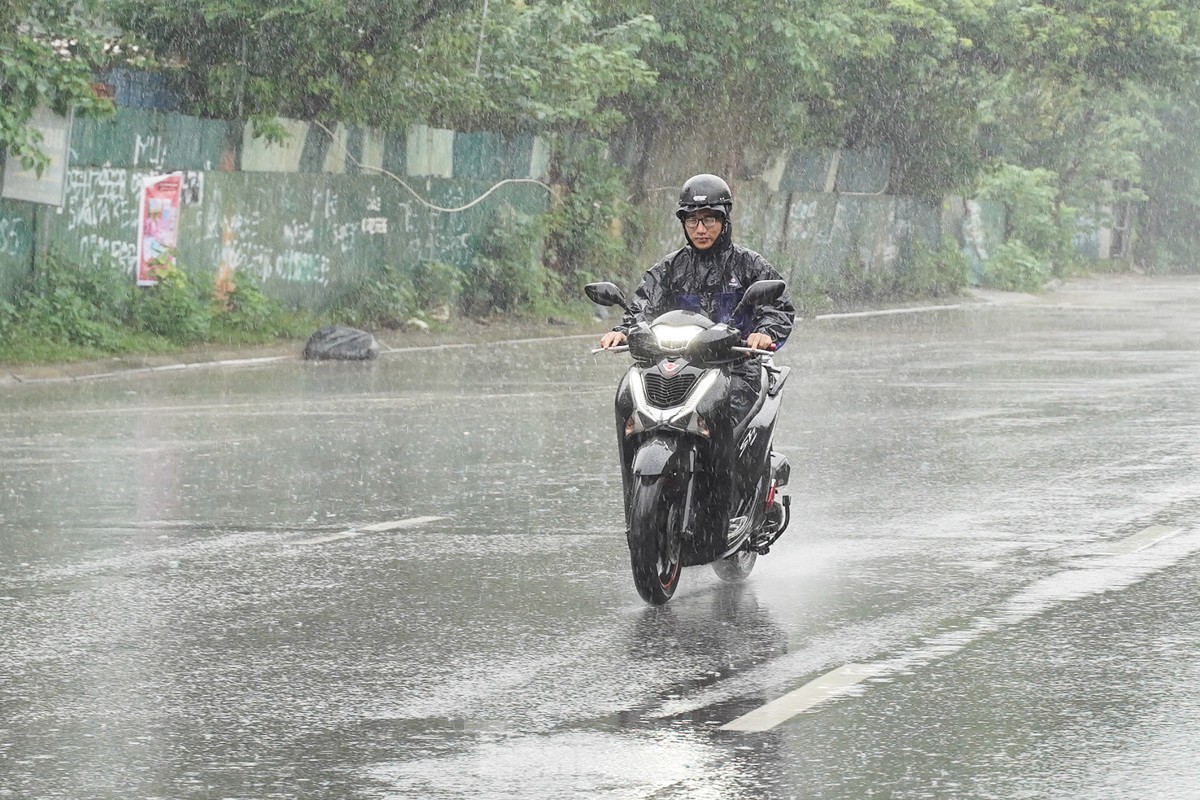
x: 407, y: 579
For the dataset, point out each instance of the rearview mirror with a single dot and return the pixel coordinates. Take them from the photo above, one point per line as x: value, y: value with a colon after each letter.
x: 607, y: 294
x: 760, y: 293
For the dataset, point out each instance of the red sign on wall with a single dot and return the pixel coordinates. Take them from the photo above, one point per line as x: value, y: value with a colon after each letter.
x: 158, y: 225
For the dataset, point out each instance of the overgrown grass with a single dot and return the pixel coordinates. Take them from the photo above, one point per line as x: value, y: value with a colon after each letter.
x: 66, y: 312
x: 927, y: 273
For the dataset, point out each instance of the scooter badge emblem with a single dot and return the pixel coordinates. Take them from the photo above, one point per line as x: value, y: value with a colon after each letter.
x: 669, y: 367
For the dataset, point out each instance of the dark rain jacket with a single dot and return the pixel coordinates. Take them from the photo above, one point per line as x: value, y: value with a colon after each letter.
x: 712, y: 282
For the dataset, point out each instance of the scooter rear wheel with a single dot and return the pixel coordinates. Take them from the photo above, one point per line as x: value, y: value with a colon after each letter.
x: 654, y: 539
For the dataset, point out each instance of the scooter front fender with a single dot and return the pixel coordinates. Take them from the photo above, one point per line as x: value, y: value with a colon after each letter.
x: 662, y: 455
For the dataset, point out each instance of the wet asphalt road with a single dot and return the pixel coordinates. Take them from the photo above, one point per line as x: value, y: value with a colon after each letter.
x: 407, y: 579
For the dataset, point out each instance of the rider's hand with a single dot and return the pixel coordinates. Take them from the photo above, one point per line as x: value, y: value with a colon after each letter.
x: 612, y: 339
x: 759, y: 341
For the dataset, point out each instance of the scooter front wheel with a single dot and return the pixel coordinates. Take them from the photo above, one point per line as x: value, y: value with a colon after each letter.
x: 654, y: 539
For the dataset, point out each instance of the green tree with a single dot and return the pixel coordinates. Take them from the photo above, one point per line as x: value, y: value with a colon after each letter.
x: 1168, y: 237
x: 390, y: 63
x: 969, y: 96
x: 1075, y: 99
x: 47, y: 56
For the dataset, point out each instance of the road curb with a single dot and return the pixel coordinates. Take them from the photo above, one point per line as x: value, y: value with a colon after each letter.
x: 976, y: 298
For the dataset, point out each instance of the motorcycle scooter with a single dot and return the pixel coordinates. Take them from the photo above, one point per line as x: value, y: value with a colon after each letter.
x: 700, y: 487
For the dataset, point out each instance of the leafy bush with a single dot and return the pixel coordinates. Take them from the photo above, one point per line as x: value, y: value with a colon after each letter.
x: 66, y: 311
x: 386, y: 301
x: 173, y: 308
x: 71, y: 304
x: 508, y: 276
x: 244, y: 314
x: 8, y: 320
x: 585, y: 241
x: 1041, y: 226
x: 1015, y: 267
x: 934, y: 273
x: 437, y: 285
x: 858, y: 282
x: 244, y: 304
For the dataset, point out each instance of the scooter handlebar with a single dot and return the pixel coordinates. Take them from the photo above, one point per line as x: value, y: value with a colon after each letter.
x: 750, y: 351
x: 753, y: 351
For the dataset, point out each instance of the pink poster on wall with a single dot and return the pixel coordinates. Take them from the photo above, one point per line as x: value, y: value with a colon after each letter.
x: 158, y: 225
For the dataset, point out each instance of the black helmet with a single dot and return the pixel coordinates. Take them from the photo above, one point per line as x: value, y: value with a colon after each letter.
x: 705, y: 192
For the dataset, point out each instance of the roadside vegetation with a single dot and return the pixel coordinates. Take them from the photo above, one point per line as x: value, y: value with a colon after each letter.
x: 65, y: 312
x: 1064, y: 113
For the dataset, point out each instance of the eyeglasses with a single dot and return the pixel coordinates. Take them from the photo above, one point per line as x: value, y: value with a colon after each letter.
x: 691, y: 223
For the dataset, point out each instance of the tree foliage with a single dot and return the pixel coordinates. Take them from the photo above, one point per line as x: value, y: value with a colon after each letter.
x: 968, y: 95
x: 389, y: 63
x: 47, y: 56
x: 935, y: 80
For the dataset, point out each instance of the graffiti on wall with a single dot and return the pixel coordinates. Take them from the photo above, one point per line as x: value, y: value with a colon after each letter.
x: 100, y: 213
x: 100, y: 197
x: 299, y: 230
x: 252, y: 240
x: 15, y: 237
x: 149, y: 151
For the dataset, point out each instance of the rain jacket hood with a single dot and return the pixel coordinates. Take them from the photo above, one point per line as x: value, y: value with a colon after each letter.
x: 712, y: 282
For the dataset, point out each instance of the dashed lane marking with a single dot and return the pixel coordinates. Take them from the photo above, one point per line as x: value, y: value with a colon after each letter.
x: 831, y: 684
x: 1140, y: 540
x: 1120, y: 565
x: 887, y: 312
x: 378, y: 527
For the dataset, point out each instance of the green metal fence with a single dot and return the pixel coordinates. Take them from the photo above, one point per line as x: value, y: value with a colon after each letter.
x: 319, y: 212
x: 307, y: 218
x: 823, y: 213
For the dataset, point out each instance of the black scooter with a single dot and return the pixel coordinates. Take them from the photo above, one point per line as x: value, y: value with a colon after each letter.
x: 700, y: 486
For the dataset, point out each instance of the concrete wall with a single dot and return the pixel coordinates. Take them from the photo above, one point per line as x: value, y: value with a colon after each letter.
x: 810, y: 212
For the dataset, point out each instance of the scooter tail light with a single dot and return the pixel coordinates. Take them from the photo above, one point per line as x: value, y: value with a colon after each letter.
x: 771, y: 494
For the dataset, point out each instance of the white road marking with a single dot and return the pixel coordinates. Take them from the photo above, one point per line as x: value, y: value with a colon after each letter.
x: 1140, y: 540
x: 1126, y: 563
x: 411, y: 522
x: 470, y: 345
x: 378, y: 527
x: 332, y: 537
x: 818, y: 690
x: 887, y: 312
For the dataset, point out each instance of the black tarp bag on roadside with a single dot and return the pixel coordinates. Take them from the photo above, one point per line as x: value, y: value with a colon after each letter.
x: 341, y: 342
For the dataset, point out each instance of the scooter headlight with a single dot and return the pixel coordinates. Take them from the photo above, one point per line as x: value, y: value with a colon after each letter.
x: 676, y: 337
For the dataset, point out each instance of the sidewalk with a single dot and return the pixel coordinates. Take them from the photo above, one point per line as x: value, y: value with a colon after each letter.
x: 464, y: 334
x: 1106, y: 291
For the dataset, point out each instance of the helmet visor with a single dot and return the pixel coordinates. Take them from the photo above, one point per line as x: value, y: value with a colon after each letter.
x: 721, y: 210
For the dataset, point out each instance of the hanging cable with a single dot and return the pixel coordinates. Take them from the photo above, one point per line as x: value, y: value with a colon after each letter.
x: 413, y: 192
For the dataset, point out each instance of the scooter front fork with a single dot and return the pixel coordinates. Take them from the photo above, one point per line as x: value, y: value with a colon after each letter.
x: 689, y: 496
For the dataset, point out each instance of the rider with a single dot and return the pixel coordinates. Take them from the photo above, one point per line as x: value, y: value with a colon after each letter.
x: 710, y: 275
